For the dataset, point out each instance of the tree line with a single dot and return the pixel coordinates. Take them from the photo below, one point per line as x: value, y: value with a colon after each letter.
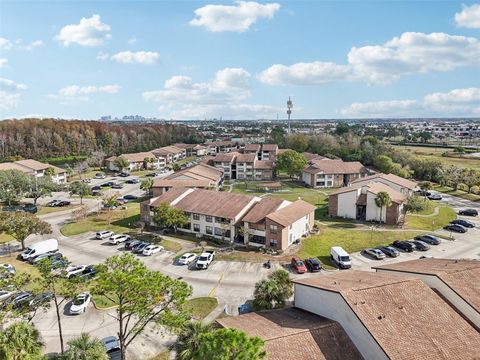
x: 39, y: 139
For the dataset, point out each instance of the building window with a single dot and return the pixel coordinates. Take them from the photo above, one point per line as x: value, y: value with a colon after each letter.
x: 196, y: 217
x: 219, y: 232
x: 273, y: 242
x: 196, y: 227
x: 273, y: 229
x: 209, y: 230
x: 208, y: 219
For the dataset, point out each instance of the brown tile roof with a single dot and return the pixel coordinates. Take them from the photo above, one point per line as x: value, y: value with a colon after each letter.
x: 395, y: 195
x: 398, y: 311
x: 184, y: 146
x: 345, y: 189
x: 264, y: 164
x: 291, y: 213
x: 185, y: 183
x: 309, y: 156
x: 261, y: 209
x: 13, y: 166
x: 252, y: 147
x: 390, y: 177
x: 328, y: 166
x: 220, y: 143
x: 168, y: 197
x: 138, y: 157
x: 246, y: 158
x: 462, y: 276
x: 269, y: 147
x: 294, y: 334
x: 200, y: 171
x: 226, y: 157
x: 37, y: 165
x: 281, y: 151
x: 167, y: 150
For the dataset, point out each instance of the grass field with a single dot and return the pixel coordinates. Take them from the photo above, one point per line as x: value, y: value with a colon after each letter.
x: 351, y: 240
x: 435, y: 153
x: 444, y: 216
x: 43, y: 210
x: 121, y: 221
x: 289, y: 191
x: 4, y: 238
x: 459, y: 193
x: 200, y: 307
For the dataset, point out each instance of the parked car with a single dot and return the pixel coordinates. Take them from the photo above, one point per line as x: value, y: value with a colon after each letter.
x: 388, y: 250
x: 298, y: 265
x: 80, y: 303
x: 152, y: 249
x: 434, y: 197
x: 420, y: 245
x: 456, y: 228
x: 468, y: 212
x: 340, y: 257
x: 118, y: 238
x: 152, y: 174
x: 117, y: 186
x: 375, y: 253
x: 7, y: 270
x: 138, y: 249
x: 313, y: 264
x: 21, y: 299
x: 41, y: 299
x: 205, y: 259
x: 53, y: 203
x: 130, y: 197
x: 88, y: 273
x: 52, y: 257
x: 96, y: 188
x: 187, y: 258
x: 132, y: 181
x: 7, y: 292
x: 429, y: 239
x: 124, y: 174
x: 59, y: 264
x: 129, y: 244
x: 404, y: 245
x: 30, y: 208
x: 73, y: 270
x: 107, y: 184
x: 104, y: 234
x: 110, y: 343
x: 423, y: 193
x: 39, y: 248
x: 464, y: 223
x: 100, y: 176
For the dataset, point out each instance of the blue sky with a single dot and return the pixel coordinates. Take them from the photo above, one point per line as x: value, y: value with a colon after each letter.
x: 239, y: 60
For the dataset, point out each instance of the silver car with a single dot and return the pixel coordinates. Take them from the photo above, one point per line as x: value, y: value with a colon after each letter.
x: 375, y: 253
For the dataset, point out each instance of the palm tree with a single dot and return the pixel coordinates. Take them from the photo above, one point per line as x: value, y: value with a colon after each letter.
x: 85, y: 348
x: 20, y: 341
x: 383, y: 200
x: 188, y: 341
x: 146, y: 185
x: 265, y: 294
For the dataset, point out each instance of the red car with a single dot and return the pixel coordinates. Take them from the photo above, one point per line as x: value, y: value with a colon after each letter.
x: 298, y: 265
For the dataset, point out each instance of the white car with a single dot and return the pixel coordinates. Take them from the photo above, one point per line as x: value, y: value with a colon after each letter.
x: 103, y: 234
x: 117, y: 239
x: 152, y: 249
x: 7, y: 292
x: 80, y: 303
x: 74, y: 270
x: 8, y: 268
x: 187, y: 258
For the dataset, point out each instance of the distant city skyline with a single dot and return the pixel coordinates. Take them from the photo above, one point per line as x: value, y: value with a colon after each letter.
x: 239, y: 60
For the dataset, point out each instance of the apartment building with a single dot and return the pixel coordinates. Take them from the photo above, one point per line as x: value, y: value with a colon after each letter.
x: 136, y: 161
x: 37, y: 169
x: 199, y: 176
x: 271, y: 223
x: 244, y: 166
x: 263, y: 151
x: 327, y: 173
x: 170, y: 153
x: 405, y: 186
x: 358, y: 202
x: 218, y: 147
x: 389, y: 317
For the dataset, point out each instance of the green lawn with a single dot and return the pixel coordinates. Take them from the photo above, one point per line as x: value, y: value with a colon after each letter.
x: 459, y: 193
x: 43, y: 210
x: 200, y: 307
x: 102, y: 302
x: 4, y: 238
x: 121, y: 221
x: 289, y: 191
x: 351, y: 240
x: 445, y: 216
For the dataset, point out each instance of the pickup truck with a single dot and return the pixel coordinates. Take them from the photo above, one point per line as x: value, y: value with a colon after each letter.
x: 205, y: 259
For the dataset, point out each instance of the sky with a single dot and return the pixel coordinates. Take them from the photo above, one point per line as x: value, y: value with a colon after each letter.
x: 240, y: 59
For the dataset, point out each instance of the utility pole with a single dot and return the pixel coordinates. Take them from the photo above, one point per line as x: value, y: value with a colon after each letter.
x: 289, y: 112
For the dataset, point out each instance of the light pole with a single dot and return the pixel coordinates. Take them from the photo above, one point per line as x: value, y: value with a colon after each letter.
x: 289, y: 112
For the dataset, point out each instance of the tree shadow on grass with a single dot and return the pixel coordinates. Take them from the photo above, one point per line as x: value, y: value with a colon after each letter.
x: 342, y: 225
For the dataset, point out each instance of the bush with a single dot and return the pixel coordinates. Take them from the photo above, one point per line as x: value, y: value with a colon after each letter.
x: 417, y: 204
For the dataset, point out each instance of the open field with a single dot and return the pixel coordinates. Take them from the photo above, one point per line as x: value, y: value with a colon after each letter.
x: 435, y: 153
x: 121, y: 221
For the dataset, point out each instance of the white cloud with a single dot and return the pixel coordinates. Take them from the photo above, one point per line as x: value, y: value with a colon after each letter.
x: 132, y: 40
x: 5, y: 44
x: 237, y: 18
x: 223, y: 96
x: 410, y: 53
x: 139, y: 57
x: 102, y: 55
x: 469, y: 17
x: 89, y: 32
x: 458, y: 102
x: 10, y: 85
x: 31, y: 46
x: 3, y: 62
x: 313, y: 73
x: 74, y: 93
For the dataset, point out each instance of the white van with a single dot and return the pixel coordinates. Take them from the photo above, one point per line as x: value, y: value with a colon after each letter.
x: 340, y: 257
x: 39, y: 248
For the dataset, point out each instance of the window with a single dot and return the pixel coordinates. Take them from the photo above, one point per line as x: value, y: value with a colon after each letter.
x: 273, y: 242
x: 208, y: 219
x: 196, y: 217
x: 196, y: 227
x: 219, y: 232
x: 209, y: 230
x: 273, y: 229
